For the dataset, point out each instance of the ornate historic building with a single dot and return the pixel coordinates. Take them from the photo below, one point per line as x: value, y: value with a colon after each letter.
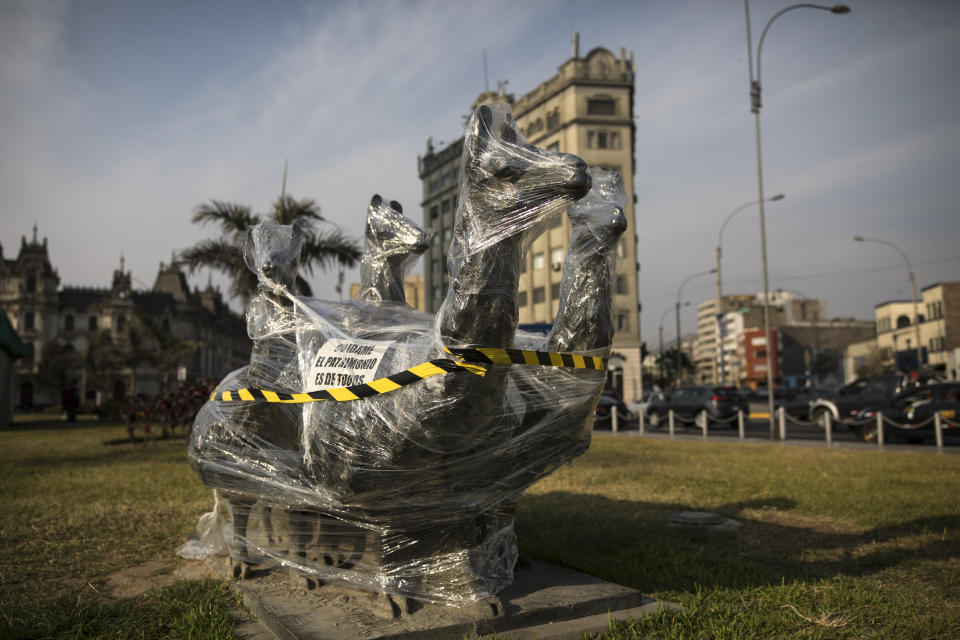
x: 98, y: 340
x: 585, y: 109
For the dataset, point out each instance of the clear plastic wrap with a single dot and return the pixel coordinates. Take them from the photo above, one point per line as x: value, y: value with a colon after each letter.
x: 411, y: 489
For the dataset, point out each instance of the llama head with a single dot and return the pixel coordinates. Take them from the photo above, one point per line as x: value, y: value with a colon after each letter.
x: 389, y: 233
x: 272, y: 252
x: 597, y: 220
x: 507, y: 187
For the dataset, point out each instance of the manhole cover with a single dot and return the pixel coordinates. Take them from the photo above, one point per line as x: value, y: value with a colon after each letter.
x: 697, y: 519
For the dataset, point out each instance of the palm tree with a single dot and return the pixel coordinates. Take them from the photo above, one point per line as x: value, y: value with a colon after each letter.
x: 321, y: 249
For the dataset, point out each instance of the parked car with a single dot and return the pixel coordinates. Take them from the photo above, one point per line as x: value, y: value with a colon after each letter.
x: 911, y: 415
x: 849, y: 401
x: 797, y: 402
x: 605, y: 404
x: 697, y: 402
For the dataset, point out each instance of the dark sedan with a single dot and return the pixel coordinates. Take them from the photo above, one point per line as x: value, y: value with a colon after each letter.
x: 911, y: 417
x: 697, y: 403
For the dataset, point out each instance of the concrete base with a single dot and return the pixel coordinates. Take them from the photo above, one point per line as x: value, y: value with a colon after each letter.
x: 545, y: 601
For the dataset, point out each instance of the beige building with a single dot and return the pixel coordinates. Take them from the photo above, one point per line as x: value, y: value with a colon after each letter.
x: 940, y: 331
x: 896, y: 332
x: 585, y: 109
x: 710, y: 331
x: 896, y: 341
x: 413, y: 291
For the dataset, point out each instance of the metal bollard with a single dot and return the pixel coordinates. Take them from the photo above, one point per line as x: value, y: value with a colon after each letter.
x: 828, y: 428
x: 937, y: 431
x: 782, y: 417
x: 880, y: 429
x: 613, y: 419
x: 641, y: 421
x: 740, y: 424
x: 703, y: 426
x: 670, y: 422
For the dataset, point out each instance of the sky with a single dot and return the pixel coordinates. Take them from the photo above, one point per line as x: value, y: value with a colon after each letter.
x: 118, y: 118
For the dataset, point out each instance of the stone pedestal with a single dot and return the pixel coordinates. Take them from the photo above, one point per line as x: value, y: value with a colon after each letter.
x: 544, y: 601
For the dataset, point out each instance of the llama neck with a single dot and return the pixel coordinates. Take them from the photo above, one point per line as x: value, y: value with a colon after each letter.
x: 382, y: 279
x: 584, y: 319
x: 481, y: 307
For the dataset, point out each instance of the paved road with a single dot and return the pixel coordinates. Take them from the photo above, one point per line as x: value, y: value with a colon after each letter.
x: 757, y: 430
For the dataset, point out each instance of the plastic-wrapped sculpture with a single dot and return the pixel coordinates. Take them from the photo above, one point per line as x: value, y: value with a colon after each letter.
x: 371, y: 444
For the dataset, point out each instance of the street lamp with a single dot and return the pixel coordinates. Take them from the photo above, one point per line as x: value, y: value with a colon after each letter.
x: 679, y: 293
x: 755, y: 108
x: 720, y: 310
x: 913, y: 284
x: 662, y: 318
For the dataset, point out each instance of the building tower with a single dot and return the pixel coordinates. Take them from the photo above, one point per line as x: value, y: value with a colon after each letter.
x: 585, y: 109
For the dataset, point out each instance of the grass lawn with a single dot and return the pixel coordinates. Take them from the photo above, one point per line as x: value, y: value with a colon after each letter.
x: 834, y: 544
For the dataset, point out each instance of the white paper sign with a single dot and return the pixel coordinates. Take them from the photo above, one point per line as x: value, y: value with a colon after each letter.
x: 341, y: 363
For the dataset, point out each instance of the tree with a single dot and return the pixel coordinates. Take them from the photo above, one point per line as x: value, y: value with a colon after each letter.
x: 873, y: 363
x: 59, y: 364
x: 101, y: 360
x: 321, y: 249
x: 167, y: 349
x: 673, y: 363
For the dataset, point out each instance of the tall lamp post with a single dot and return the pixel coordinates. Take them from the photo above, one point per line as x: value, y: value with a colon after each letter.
x: 913, y: 284
x: 663, y: 316
x: 679, y: 293
x: 720, y: 312
x: 755, y: 108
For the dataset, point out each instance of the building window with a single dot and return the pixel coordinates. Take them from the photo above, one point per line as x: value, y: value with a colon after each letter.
x: 603, y: 140
x: 553, y: 119
x: 31, y: 283
x: 556, y: 258
x: 538, y: 261
x: 445, y: 206
x: 601, y: 107
x: 121, y: 323
x: 68, y: 322
x: 447, y: 235
x: 92, y: 323
x: 28, y: 321
x: 522, y: 299
x: 555, y: 290
x: 621, y: 285
x: 434, y: 211
x: 436, y: 292
x: 554, y: 146
x: 623, y: 322
x: 539, y: 295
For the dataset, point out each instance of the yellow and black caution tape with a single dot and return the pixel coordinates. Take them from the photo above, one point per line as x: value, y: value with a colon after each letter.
x: 493, y: 355
x: 467, y: 360
x: 353, y: 392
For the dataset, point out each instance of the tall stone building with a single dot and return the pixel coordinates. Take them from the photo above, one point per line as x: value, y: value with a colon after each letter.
x: 67, y: 323
x: 585, y: 109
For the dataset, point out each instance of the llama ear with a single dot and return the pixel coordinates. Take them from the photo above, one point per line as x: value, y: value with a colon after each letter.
x: 396, y: 206
x: 376, y: 200
x: 480, y: 135
x: 484, y: 122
